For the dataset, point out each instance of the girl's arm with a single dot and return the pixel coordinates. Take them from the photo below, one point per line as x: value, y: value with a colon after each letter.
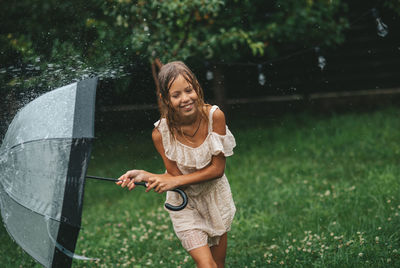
x: 132, y: 176
x: 214, y: 170
x: 170, y: 166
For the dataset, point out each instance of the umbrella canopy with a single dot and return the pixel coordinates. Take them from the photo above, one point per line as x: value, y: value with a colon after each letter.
x: 43, y: 162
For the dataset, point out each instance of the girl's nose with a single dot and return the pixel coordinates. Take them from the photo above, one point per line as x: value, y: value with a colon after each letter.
x: 185, y: 97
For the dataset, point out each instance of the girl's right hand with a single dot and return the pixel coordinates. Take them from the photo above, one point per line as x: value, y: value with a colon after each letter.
x: 132, y: 176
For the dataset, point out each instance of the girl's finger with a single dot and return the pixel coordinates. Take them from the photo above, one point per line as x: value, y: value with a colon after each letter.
x: 160, y: 189
x: 120, y: 179
x: 157, y: 189
x: 131, y: 185
x: 151, y: 186
x: 125, y: 182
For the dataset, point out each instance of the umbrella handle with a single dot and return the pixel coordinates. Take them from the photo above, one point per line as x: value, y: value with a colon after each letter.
x: 167, y: 205
x: 181, y: 206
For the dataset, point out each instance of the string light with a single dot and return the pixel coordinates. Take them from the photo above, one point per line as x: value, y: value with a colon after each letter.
x: 261, y: 76
x: 381, y: 28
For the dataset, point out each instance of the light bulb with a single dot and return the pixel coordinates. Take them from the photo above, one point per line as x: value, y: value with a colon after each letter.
x: 209, y: 75
x: 261, y: 76
x: 321, y: 62
x: 261, y: 79
x: 381, y: 28
x: 321, y: 59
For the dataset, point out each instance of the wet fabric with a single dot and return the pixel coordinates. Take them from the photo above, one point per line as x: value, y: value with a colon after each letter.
x: 43, y: 162
x: 210, y: 208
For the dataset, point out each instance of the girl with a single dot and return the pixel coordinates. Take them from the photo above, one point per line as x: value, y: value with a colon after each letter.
x: 193, y: 142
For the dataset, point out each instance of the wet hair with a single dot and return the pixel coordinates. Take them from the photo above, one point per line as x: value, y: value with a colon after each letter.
x: 166, y: 77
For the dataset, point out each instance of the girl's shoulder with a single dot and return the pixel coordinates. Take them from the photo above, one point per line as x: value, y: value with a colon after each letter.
x: 161, y: 127
x: 216, y: 119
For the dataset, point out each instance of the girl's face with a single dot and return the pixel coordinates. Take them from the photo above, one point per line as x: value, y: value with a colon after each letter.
x: 183, y: 97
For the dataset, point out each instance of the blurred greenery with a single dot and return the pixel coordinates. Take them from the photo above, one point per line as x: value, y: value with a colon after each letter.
x: 166, y: 29
x: 77, y: 38
x: 310, y: 190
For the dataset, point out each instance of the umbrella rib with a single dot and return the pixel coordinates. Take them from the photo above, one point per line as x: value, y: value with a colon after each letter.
x: 45, y: 139
x: 60, y: 221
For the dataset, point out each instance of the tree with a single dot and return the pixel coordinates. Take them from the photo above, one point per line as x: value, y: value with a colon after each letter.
x: 216, y: 30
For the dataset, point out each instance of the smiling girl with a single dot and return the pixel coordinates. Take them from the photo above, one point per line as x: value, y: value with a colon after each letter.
x: 193, y: 142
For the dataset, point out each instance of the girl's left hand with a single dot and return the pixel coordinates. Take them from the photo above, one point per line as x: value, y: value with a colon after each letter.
x: 132, y: 176
x: 161, y: 184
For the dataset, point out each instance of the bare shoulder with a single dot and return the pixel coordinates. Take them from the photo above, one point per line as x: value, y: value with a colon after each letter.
x: 219, y: 124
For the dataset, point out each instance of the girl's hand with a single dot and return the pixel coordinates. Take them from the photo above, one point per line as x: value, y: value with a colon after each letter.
x: 132, y: 176
x: 161, y: 184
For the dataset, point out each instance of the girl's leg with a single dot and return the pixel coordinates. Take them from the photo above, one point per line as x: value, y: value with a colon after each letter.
x: 219, y: 252
x: 203, y: 257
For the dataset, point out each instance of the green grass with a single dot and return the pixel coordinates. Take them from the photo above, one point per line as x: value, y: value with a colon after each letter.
x: 310, y: 191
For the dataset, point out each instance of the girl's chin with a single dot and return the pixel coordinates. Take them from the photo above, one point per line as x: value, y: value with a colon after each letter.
x: 185, y: 112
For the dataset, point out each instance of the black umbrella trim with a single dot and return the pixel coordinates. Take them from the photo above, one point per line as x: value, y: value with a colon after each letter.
x: 77, y: 167
x: 73, y: 201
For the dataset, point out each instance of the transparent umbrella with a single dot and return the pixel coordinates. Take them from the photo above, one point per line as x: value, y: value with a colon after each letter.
x: 43, y: 161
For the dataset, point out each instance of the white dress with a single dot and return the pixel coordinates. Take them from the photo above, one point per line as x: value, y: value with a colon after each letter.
x: 210, y: 209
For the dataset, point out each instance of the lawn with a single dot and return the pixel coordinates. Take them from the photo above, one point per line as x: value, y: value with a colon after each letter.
x: 310, y: 190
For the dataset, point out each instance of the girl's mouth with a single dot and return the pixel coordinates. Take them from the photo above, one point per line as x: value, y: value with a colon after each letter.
x: 188, y: 107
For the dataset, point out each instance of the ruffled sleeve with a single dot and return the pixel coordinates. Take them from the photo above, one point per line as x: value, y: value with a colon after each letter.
x: 222, y: 143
